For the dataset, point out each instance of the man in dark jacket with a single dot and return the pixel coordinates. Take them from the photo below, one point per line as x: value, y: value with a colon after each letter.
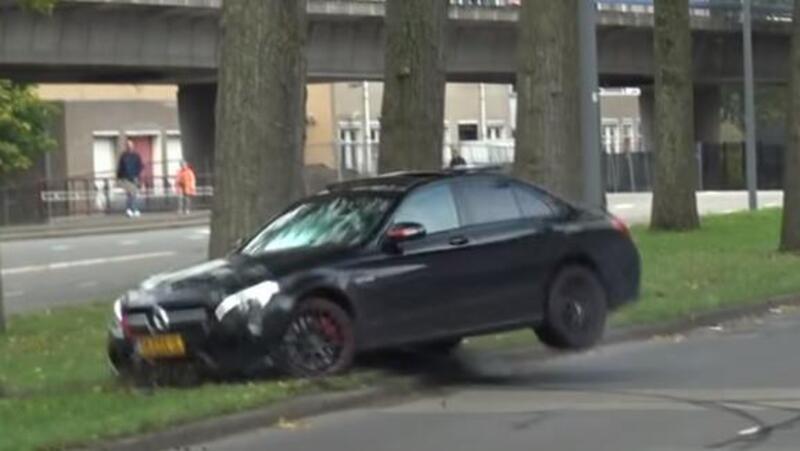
x: 129, y: 169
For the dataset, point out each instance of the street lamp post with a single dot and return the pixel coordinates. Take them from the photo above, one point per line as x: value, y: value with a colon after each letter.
x: 594, y: 189
x: 749, y: 106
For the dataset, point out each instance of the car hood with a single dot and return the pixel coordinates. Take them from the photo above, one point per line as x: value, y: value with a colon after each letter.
x: 210, y: 282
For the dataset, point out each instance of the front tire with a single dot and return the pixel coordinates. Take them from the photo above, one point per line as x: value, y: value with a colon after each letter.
x: 319, y: 340
x: 576, y: 310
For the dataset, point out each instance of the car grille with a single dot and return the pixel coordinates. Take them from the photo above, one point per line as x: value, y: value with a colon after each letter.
x: 152, y: 320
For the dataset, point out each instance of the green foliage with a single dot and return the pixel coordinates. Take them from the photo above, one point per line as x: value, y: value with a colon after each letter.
x: 42, y: 6
x: 56, y: 387
x: 24, y: 127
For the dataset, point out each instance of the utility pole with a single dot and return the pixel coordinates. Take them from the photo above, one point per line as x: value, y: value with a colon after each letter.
x: 482, y: 126
x: 594, y: 189
x: 366, y: 128
x: 749, y: 107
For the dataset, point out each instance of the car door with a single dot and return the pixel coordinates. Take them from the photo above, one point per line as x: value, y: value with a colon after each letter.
x: 509, y: 250
x: 413, y: 292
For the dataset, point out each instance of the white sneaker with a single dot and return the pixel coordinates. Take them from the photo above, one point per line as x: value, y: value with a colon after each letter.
x: 137, y: 213
x: 129, y: 213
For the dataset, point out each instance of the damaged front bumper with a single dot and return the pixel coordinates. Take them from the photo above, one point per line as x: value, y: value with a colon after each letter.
x: 244, y: 340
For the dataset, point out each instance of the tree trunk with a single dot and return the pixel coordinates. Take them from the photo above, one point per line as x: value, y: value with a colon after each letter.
x: 412, y: 118
x: 548, y: 137
x: 790, y: 235
x: 261, y: 103
x: 2, y: 309
x: 675, y: 178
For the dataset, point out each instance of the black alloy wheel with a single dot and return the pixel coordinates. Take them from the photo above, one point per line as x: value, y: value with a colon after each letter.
x: 319, y: 340
x: 576, y: 310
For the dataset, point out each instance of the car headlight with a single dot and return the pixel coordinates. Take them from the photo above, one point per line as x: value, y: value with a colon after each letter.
x: 259, y: 295
x: 118, y: 310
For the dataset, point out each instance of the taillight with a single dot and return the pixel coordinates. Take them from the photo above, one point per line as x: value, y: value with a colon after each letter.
x: 620, y: 226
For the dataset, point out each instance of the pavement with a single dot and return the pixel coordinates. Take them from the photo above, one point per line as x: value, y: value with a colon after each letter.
x: 52, y: 272
x: 727, y: 387
x: 88, y: 259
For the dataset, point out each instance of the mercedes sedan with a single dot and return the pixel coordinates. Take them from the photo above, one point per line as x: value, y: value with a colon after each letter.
x: 403, y: 260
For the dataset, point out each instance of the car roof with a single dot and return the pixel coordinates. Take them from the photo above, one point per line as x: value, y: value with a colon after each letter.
x: 406, y: 180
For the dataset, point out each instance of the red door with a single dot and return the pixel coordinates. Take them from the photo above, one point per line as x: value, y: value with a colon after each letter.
x: 143, y: 145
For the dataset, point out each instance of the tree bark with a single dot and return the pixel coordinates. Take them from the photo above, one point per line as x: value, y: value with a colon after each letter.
x: 261, y: 103
x: 790, y: 235
x: 2, y: 309
x: 412, y: 116
x: 548, y: 136
x: 675, y: 178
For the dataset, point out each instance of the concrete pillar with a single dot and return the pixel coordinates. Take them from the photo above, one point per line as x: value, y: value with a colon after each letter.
x: 707, y: 113
x: 196, y: 112
x: 647, y: 111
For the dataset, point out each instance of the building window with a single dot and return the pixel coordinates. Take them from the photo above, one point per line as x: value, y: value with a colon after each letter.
x: 348, y: 139
x: 352, y: 152
x: 494, y: 132
x: 628, y: 137
x: 467, y: 132
x: 611, y: 137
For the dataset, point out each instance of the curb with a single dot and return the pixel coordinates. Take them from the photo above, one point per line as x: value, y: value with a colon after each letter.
x: 102, y: 230
x: 708, y: 319
x: 215, y: 428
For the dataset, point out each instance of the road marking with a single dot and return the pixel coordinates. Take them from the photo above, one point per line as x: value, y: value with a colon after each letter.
x: 60, y: 247
x: 623, y: 206
x: 129, y: 242
x: 80, y: 263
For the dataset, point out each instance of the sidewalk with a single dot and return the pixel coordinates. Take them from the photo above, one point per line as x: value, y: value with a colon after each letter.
x: 102, y: 224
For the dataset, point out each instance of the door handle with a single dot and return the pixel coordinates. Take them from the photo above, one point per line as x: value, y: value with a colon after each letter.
x: 459, y: 240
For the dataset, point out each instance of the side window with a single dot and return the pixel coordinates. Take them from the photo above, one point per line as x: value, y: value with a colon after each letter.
x: 433, y: 207
x: 533, y: 203
x: 488, y: 200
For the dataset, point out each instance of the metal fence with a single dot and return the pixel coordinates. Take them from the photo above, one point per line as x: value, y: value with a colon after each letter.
x: 720, y: 167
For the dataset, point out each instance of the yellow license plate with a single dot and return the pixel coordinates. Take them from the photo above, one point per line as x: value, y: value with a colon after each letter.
x: 161, y: 346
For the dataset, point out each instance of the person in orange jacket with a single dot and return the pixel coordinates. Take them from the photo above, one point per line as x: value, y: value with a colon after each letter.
x: 186, y: 186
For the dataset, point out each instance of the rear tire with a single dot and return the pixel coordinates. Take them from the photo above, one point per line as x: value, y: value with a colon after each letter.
x: 319, y: 340
x: 576, y: 310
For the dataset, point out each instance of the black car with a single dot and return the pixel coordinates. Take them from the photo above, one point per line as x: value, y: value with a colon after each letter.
x: 408, y: 259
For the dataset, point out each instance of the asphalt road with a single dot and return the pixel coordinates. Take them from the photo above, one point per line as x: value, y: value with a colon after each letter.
x: 61, y: 271
x: 730, y: 389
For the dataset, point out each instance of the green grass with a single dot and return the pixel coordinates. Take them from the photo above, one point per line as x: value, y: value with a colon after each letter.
x: 731, y: 261
x: 56, y: 388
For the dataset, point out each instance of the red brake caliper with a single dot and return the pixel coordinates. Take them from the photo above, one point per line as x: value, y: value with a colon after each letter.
x: 329, y: 329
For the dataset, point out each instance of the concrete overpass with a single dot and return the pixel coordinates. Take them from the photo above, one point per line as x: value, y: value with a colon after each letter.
x: 176, y: 41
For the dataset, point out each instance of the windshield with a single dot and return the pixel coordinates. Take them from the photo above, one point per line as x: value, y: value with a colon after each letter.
x: 331, y: 220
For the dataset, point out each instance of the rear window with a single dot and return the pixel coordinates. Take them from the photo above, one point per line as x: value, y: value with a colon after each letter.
x: 487, y: 200
x: 533, y: 203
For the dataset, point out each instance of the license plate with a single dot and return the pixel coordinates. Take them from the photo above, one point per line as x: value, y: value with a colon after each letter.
x: 161, y: 346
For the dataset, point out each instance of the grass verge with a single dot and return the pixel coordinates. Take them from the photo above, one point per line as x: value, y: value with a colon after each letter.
x: 731, y: 261
x: 56, y: 389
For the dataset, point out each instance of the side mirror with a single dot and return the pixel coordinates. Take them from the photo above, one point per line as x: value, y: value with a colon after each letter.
x: 405, y: 231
